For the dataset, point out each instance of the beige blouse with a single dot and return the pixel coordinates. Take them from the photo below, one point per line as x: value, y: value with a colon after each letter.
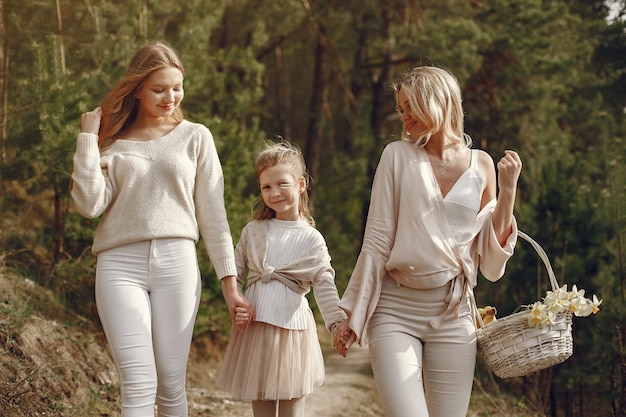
x: 408, y: 236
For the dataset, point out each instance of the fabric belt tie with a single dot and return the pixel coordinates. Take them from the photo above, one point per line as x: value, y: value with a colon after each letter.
x: 456, y: 293
x: 270, y: 273
x: 267, y: 273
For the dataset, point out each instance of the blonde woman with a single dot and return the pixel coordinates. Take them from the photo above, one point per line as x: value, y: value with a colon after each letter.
x: 156, y: 180
x: 433, y: 221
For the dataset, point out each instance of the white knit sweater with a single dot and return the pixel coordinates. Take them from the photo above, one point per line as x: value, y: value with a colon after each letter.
x: 281, y: 261
x: 170, y: 187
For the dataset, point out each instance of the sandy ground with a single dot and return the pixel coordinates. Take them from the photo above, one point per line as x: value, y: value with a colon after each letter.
x: 348, y: 390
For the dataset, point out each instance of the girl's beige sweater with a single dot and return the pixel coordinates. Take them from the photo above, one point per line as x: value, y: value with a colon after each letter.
x: 281, y: 261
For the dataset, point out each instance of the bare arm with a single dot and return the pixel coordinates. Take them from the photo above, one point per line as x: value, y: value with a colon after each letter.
x: 509, y: 169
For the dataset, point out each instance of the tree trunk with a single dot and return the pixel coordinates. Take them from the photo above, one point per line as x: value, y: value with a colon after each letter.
x: 59, y: 224
x: 4, y: 30
x: 283, y: 101
x: 318, y: 99
x: 554, y: 401
x: 61, y: 42
x: 143, y: 20
x: 621, y: 411
x: 379, y: 81
x: 316, y: 111
x: 621, y: 331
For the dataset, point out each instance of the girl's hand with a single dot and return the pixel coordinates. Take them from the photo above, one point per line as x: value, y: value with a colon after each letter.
x: 235, y: 299
x: 343, y: 337
x: 90, y: 121
x: 243, y: 312
x: 242, y: 317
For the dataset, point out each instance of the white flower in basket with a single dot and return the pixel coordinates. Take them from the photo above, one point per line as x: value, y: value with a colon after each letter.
x: 539, y: 336
x: 561, y: 301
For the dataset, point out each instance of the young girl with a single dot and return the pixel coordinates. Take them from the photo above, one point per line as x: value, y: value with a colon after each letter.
x: 276, y: 361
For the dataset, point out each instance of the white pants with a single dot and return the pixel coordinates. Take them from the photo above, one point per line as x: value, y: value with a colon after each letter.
x: 421, y: 371
x: 147, y: 294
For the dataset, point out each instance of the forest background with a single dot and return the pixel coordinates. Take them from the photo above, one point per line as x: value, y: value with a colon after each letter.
x: 543, y: 77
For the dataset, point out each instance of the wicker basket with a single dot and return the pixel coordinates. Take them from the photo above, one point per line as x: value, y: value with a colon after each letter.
x: 513, y: 348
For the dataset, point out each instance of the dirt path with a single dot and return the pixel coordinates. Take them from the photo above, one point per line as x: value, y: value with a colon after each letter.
x: 348, y: 390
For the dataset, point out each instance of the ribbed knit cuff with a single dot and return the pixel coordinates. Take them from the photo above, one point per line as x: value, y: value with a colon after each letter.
x: 86, y: 142
x: 225, y: 268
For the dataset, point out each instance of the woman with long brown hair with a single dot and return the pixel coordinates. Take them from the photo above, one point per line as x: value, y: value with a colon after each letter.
x: 156, y: 180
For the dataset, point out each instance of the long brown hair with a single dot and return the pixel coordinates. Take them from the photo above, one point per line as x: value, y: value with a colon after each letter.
x: 119, y: 107
x: 288, y: 154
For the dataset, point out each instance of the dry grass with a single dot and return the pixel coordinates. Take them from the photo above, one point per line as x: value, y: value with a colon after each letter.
x: 49, y: 365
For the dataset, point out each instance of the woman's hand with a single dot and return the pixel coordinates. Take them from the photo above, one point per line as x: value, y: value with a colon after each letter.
x: 90, y: 121
x: 343, y: 337
x: 237, y: 303
x: 509, y: 169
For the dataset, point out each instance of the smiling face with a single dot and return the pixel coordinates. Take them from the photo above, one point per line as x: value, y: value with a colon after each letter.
x: 430, y: 104
x: 409, y: 120
x: 281, y: 190
x: 161, y: 93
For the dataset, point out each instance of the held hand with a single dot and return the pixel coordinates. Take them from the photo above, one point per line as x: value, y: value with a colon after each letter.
x: 242, y: 317
x: 343, y: 338
x: 348, y: 339
x: 243, y: 312
x: 509, y: 169
x: 236, y: 300
x: 90, y: 121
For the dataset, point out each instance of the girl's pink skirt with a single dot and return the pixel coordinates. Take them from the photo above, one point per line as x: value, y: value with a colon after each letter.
x: 265, y: 362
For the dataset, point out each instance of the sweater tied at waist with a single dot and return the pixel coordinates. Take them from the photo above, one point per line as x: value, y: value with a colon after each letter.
x: 267, y: 274
x: 270, y: 273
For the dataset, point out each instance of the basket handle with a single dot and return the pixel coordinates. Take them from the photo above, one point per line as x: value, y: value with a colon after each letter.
x: 544, y: 257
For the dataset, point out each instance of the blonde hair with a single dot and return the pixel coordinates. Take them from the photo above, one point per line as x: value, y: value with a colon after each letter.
x: 288, y: 154
x: 119, y: 107
x: 435, y: 99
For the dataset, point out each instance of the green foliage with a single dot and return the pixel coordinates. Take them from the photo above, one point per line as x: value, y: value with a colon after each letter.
x: 14, y: 316
x: 213, y: 318
x: 542, y: 77
x: 73, y: 285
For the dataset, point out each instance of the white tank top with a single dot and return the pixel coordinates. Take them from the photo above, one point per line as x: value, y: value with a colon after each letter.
x: 463, y: 200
